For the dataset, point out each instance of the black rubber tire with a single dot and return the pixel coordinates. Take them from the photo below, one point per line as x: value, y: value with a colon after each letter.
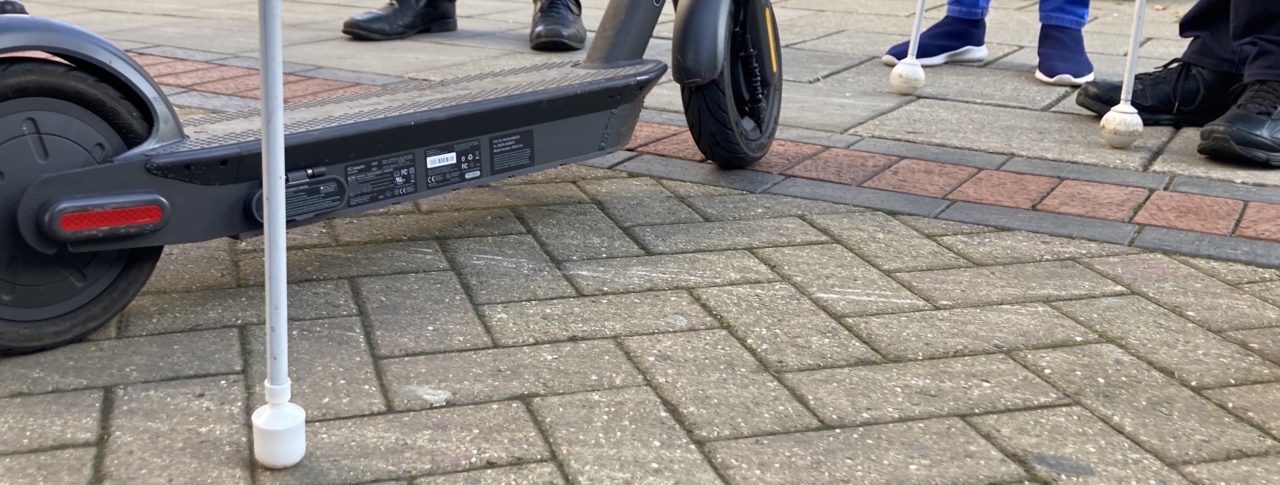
x: 36, y: 78
x: 714, y: 116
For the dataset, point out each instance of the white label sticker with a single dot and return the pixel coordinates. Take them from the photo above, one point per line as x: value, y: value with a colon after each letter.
x: 472, y: 174
x: 442, y: 160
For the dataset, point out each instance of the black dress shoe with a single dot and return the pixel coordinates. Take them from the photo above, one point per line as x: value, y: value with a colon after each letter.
x: 403, y: 18
x: 11, y: 7
x: 1250, y: 131
x: 557, y: 26
x: 1177, y: 94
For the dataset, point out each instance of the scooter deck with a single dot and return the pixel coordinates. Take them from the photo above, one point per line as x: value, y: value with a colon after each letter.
x: 360, y: 152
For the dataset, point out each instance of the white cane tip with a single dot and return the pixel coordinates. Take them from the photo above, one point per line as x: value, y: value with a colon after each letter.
x: 907, y: 77
x: 1121, y: 127
x: 279, y: 435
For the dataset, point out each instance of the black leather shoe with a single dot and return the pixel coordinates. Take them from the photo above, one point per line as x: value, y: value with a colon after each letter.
x: 11, y: 7
x: 403, y: 18
x: 557, y: 26
x: 1177, y: 94
x: 1250, y: 131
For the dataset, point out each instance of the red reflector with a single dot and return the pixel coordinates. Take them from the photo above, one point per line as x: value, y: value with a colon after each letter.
x: 111, y: 218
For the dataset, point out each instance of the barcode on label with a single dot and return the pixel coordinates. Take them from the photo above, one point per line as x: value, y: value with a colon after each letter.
x: 442, y: 160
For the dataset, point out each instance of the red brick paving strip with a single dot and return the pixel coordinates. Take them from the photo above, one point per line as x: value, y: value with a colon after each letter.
x: 919, y: 177
x: 786, y: 154
x: 1005, y: 189
x: 239, y: 84
x: 680, y: 146
x: 167, y: 68
x: 200, y: 76
x: 1261, y: 221
x: 146, y: 60
x: 1190, y: 212
x: 357, y: 89
x: 842, y: 166
x: 1092, y: 199
x: 646, y: 133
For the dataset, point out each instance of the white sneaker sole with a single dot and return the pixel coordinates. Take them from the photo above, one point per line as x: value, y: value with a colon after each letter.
x: 973, y: 53
x: 1064, y: 79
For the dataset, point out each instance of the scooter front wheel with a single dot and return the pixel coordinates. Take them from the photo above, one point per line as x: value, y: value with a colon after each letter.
x: 55, y: 118
x: 734, y: 117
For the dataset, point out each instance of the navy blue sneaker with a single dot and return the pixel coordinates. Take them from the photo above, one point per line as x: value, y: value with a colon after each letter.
x: 1063, y: 61
x: 952, y: 39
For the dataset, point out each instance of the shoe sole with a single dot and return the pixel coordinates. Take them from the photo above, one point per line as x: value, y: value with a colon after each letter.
x: 1220, y: 146
x: 973, y: 53
x: 1148, y: 119
x: 436, y: 27
x: 555, y: 45
x: 1064, y: 79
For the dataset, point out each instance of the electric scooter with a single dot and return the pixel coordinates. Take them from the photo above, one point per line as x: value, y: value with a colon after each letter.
x: 98, y: 174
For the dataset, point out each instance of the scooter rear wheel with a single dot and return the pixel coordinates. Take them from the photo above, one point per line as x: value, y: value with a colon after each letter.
x: 56, y: 118
x: 734, y: 117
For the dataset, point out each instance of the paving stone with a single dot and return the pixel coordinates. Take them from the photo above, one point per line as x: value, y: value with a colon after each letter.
x: 1193, y: 295
x: 687, y: 190
x: 1011, y: 131
x: 932, y: 153
x: 562, y: 174
x: 887, y: 243
x: 914, y: 390
x: 839, y: 109
x: 719, y: 236
x: 124, y: 361
x: 816, y: 137
x: 1005, y: 189
x: 420, y: 313
x: 1190, y: 212
x: 637, y: 201
x: 842, y: 166
x: 506, y: 268
x: 1090, y: 173
x: 350, y: 261
x: 1091, y: 199
x: 537, y: 473
x: 1259, y: 222
x: 716, y: 386
x: 308, y: 236
x: 968, y: 331
x: 609, y: 161
x: 1263, y: 341
x: 619, y: 435
x: 840, y: 281
x: 782, y: 327
x: 72, y: 465
x: 1019, y: 283
x: 1256, y: 404
x: 761, y: 206
x: 333, y: 375
x: 1262, y: 470
x: 858, y: 196
x: 702, y: 173
x: 1163, y: 417
x: 192, y: 267
x: 1193, y: 355
x: 931, y: 451
x: 594, y: 317
x: 1026, y: 247
x: 191, y: 431
x: 216, y: 102
x: 446, y: 225
x: 646, y: 133
x: 938, y: 227
x: 1041, y: 222
x: 1203, y: 245
x: 680, y: 146
x: 377, y: 447
x: 504, y: 196
x: 919, y: 177
x: 497, y: 374
x: 808, y: 66
x: 30, y: 423
x: 668, y: 272
x: 180, y: 312
x: 1069, y: 444
x: 784, y: 154
x: 573, y: 232
x: 1227, y: 190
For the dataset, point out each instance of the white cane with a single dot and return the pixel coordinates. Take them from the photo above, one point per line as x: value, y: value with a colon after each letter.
x: 1122, y: 125
x: 908, y: 76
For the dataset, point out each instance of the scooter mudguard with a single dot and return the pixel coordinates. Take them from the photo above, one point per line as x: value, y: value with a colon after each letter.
x: 701, y: 41
x: 86, y: 50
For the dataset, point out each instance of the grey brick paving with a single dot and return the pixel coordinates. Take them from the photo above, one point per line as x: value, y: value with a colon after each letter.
x: 31, y: 423
x: 609, y: 436
x: 688, y: 191
x: 840, y: 281
x: 504, y: 196
x: 939, y: 227
x: 420, y: 313
x: 717, y: 387
x: 1262, y: 470
x: 1071, y: 445
x: 720, y: 236
x: 1026, y: 247
x: 1172, y: 422
x: 72, y: 465
x: 1192, y: 294
x: 506, y: 268
x: 594, y: 317
x: 572, y: 232
x: 932, y: 451
x: 1229, y: 272
x: 452, y: 440
x: 788, y: 332
x: 887, y: 243
x: 1263, y: 341
x: 1269, y: 292
x: 191, y: 431
x: 967, y: 331
x: 1256, y: 404
x: 491, y: 375
x: 928, y: 389
x: 475, y: 223
x: 333, y: 375
x: 350, y: 262
x: 177, y: 312
x: 1193, y: 355
x: 760, y: 206
x: 1019, y: 283
x: 538, y: 474
x: 639, y: 201
x: 191, y: 267
x: 647, y: 273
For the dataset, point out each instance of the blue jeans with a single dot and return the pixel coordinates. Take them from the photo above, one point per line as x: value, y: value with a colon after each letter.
x: 1071, y: 14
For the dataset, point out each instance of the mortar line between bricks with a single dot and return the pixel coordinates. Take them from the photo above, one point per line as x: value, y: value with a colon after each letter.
x: 1235, y: 286
x: 536, y: 344
x: 104, y: 434
x: 1048, y: 108
x: 248, y: 406
x: 510, y: 399
x: 1008, y: 452
x: 849, y: 247
x: 46, y: 449
x: 366, y: 328
x: 936, y: 358
x: 872, y: 116
x: 542, y: 247
x: 184, y: 377
x: 1234, y: 458
x: 527, y: 403
x: 798, y: 42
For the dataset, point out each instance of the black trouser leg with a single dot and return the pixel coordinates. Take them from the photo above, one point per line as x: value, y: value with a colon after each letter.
x: 1255, y: 30
x: 1208, y: 25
